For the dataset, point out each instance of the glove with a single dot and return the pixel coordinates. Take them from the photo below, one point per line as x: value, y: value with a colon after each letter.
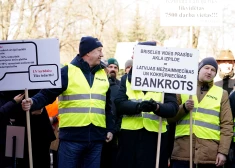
x: 145, y: 106
x: 153, y: 105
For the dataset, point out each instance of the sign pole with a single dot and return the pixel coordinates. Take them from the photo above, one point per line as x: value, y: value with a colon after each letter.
x: 29, y: 133
x: 159, y: 136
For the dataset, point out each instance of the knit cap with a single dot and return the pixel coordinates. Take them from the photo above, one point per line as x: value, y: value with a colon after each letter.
x: 150, y: 43
x: 128, y: 63
x: 87, y: 44
x: 113, y: 61
x: 208, y: 61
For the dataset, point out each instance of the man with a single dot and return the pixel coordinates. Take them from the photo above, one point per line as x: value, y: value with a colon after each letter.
x: 113, y: 68
x: 140, y: 123
x: 109, y: 151
x: 84, y: 107
x: 225, y: 77
x: 212, y: 122
x: 128, y: 66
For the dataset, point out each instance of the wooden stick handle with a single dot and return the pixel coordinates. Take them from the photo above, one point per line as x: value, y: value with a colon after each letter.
x: 191, y: 137
x: 29, y: 133
x: 159, y: 136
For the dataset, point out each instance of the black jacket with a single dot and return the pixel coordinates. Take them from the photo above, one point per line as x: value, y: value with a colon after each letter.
x: 86, y: 133
x: 41, y: 130
x: 114, y: 87
x: 125, y: 107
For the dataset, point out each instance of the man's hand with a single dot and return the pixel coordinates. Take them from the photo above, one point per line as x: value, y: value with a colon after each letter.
x: 18, y: 98
x: 109, y: 137
x: 189, y: 104
x: 145, y: 106
x: 26, y: 104
x: 220, y: 160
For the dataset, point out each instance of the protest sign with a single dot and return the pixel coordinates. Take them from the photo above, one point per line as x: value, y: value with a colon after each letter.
x: 161, y: 69
x: 191, y: 13
x: 31, y: 64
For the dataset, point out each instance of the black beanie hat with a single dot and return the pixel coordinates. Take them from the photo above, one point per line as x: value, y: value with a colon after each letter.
x: 87, y: 44
x: 208, y: 61
x: 150, y: 43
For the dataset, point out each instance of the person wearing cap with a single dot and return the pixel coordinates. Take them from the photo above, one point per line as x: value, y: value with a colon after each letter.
x: 109, y: 151
x: 212, y: 122
x: 128, y: 66
x: 225, y: 77
x: 137, y: 145
x: 113, y: 69
x: 84, y: 107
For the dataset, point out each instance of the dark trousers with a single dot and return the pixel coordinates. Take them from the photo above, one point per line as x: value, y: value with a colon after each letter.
x: 138, y: 148
x: 109, y: 154
x: 79, y: 154
x: 185, y: 164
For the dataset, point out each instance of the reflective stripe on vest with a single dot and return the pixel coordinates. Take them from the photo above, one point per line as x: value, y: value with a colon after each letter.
x: 147, y: 120
x: 80, y: 104
x: 206, y: 116
x: 82, y: 96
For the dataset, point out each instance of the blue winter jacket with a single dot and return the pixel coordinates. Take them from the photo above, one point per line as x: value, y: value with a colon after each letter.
x: 85, y: 133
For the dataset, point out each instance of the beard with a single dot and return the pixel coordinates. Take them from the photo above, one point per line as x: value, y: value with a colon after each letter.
x: 112, y: 74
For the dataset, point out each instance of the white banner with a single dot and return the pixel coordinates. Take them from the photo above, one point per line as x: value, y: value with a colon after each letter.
x: 191, y: 13
x: 161, y: 69
x: 31, y: 64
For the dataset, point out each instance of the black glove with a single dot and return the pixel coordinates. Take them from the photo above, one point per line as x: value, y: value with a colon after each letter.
x: 153, y: 105
x: 145, y: 106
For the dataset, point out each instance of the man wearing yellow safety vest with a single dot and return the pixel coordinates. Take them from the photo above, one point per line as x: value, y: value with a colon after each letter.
x: 140, y: 122
x: 212, y: 122
x: 84, y: 107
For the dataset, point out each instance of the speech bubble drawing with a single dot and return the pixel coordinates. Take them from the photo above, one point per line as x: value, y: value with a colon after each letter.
x: 44, y: 73
x: 16, y: 57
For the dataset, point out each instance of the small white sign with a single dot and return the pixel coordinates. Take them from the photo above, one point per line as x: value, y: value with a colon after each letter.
x: 31, y: 64
x: 161, y: 69
x: 191, y: 13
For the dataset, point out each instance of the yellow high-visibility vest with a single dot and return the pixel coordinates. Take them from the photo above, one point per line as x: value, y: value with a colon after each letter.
x: 80, y: 104
x: 206, y: 116
x: 147, y: 120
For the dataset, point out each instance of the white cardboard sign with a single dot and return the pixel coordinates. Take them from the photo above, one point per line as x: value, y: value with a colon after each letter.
x: 161, y: 69
x: 191, y: 12
x: 31, y: 64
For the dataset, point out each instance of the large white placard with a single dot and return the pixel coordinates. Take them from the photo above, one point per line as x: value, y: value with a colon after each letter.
x: 191, y: 13
x: 161, y: 69
x: 31, y: 64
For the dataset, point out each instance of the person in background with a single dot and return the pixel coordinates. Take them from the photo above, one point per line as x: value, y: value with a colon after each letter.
x: 212, y: 122
x: 128, y: 66
x: 41, y: 131
x: 225, y: 77
x: 53, y: 110
x: 85, y: 114
x: 109, y: 151
x: 113, y: 69
x: 6, y: 107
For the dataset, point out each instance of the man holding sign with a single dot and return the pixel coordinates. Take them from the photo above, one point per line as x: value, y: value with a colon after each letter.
x: 212, y: 122
x: 84, y: 107
x: 140, y: 123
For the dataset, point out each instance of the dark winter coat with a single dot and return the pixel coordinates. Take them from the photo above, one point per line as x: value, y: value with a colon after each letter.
x: 86, y: 133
